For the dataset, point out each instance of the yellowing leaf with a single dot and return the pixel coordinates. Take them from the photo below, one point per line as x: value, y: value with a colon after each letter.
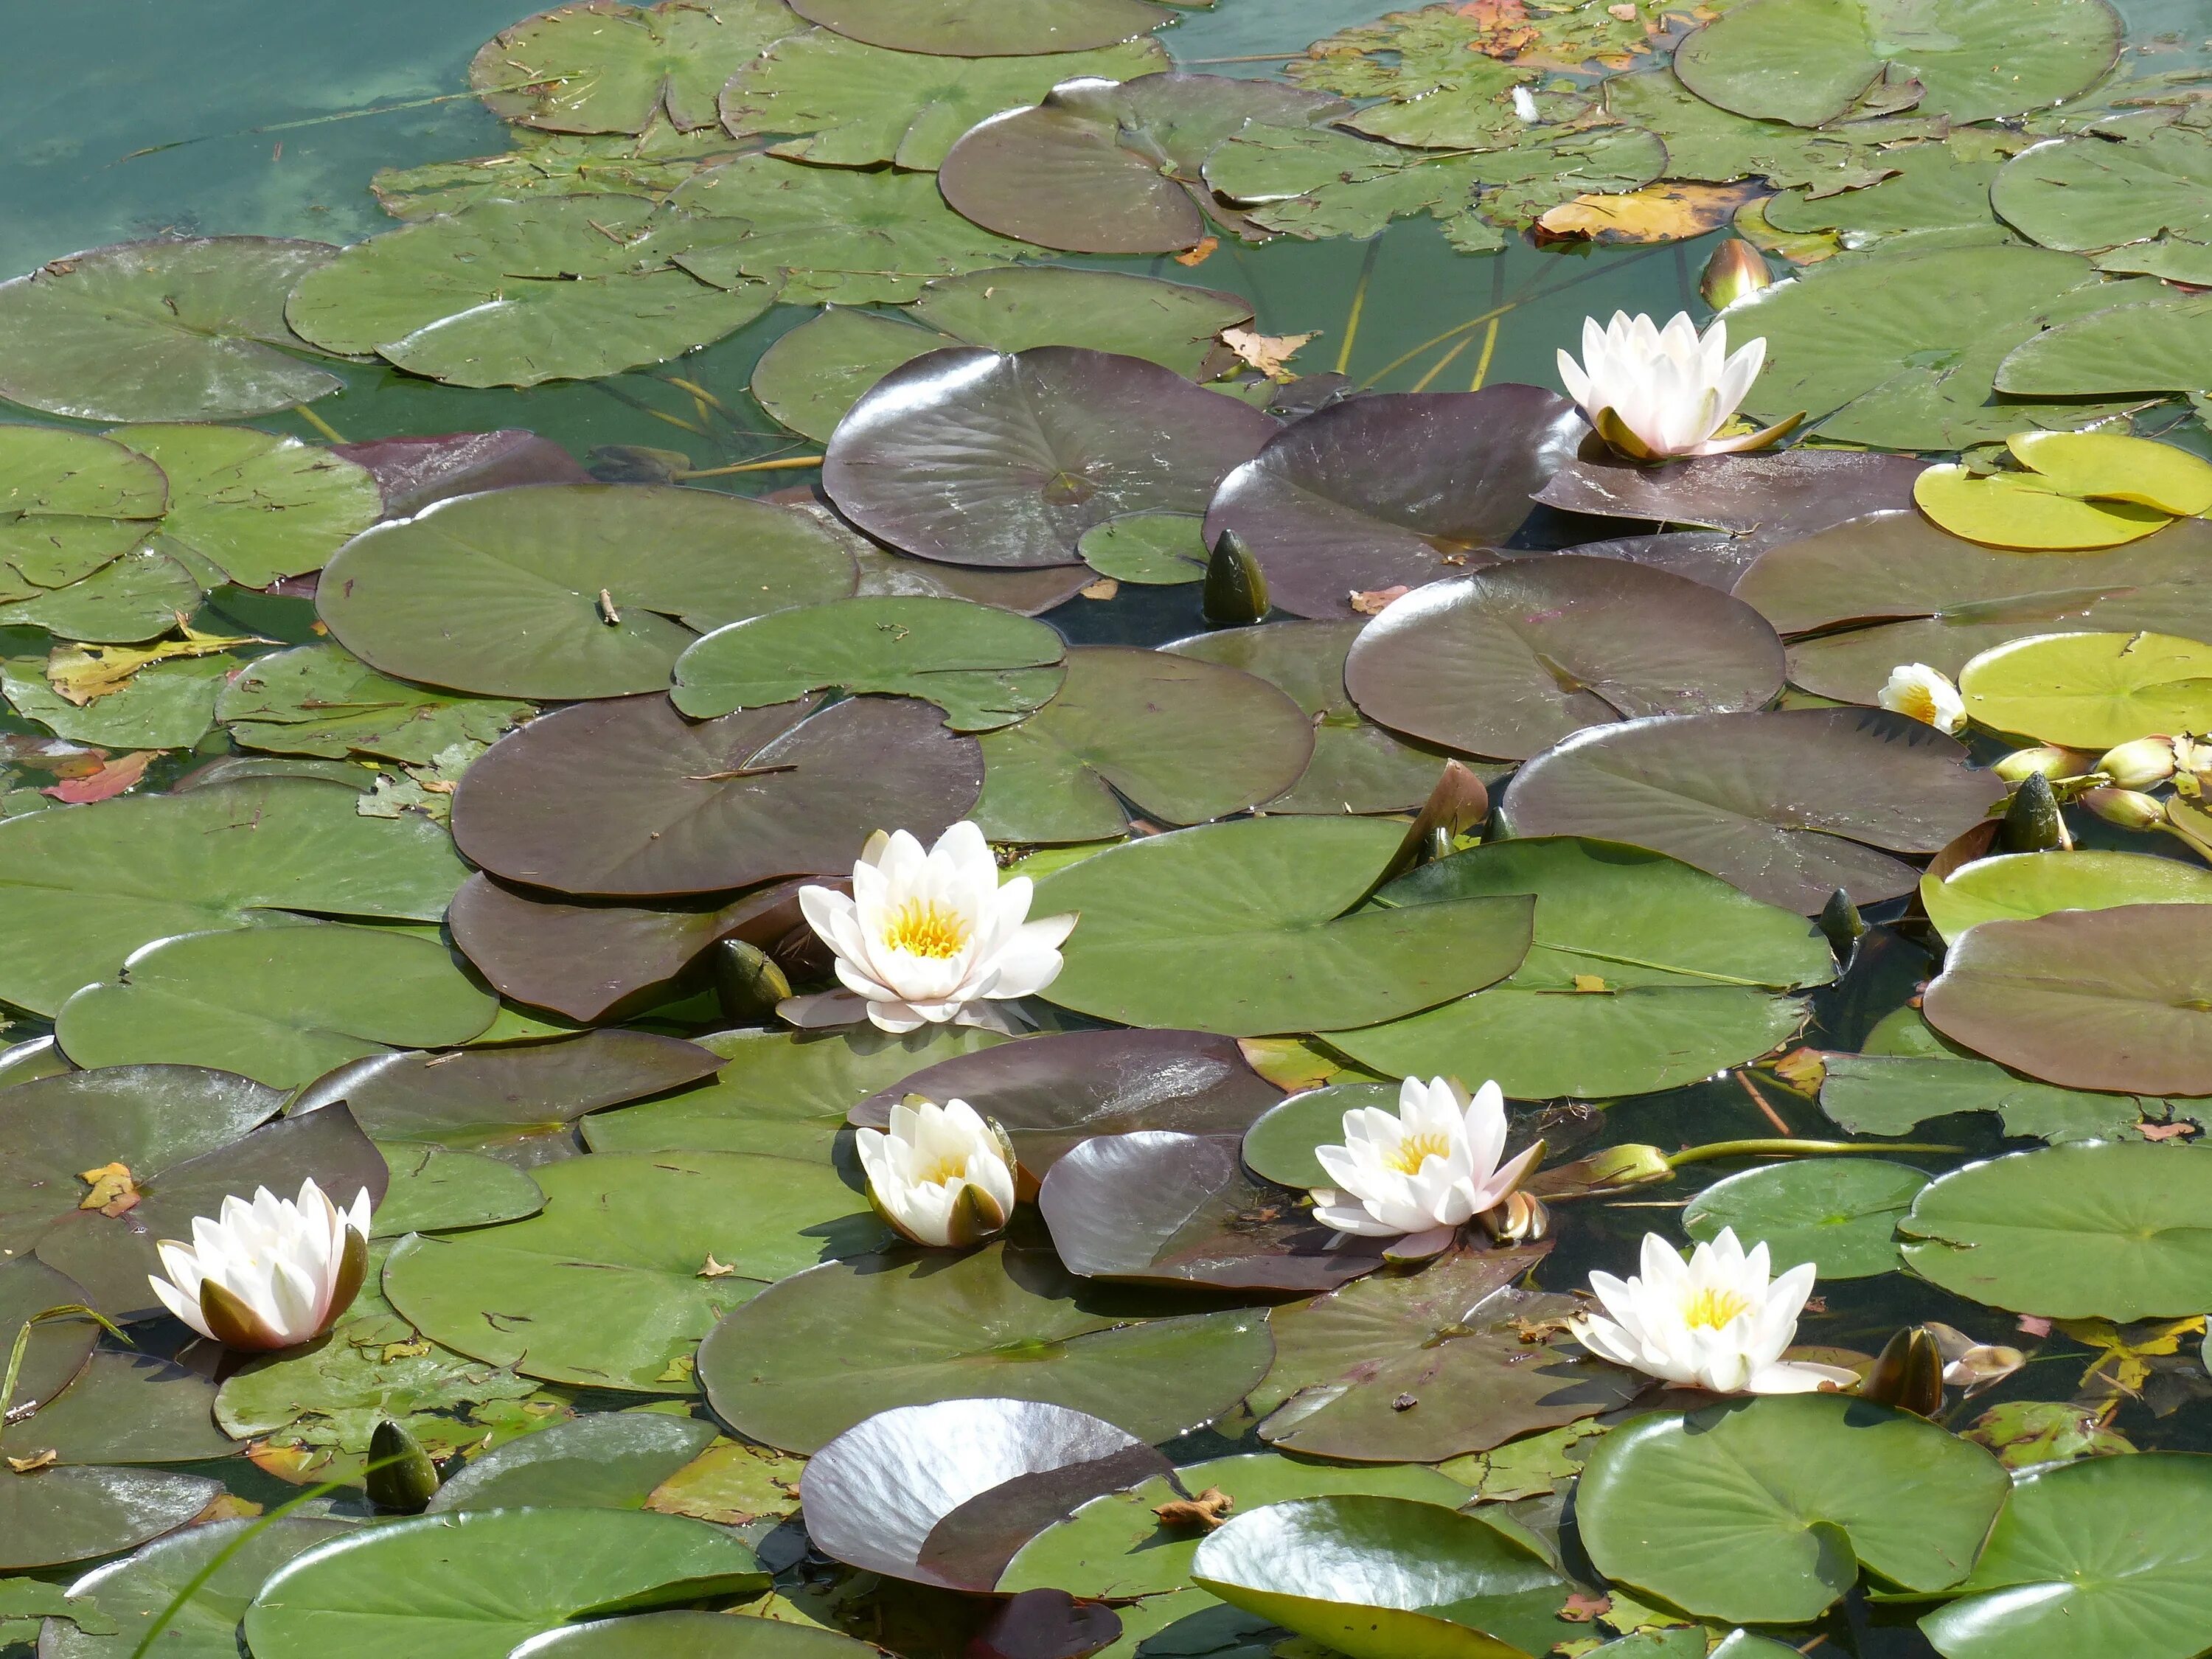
x: 2122, y: 1361
x: 2112, y: 466
x: 1668, y: 212
x: 2022, y: 510
x: 85, y: 673
x: 1268, y: 353
x: 113, y: 1190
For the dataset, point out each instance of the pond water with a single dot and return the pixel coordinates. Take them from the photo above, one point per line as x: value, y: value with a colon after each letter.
x: 422, y: 854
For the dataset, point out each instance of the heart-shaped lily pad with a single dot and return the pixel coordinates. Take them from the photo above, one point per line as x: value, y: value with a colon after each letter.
x: 2136, y: 347
x: 2111, y: 1229
x: 602, y: 66
x: 2018, y: 887
x: 1178, y: 740
x: 944, y: 1493
x: 2091, y: 690
x: 323, y: 700
x: 966, y: 28
x: 2137, y: 200
x: 1776, y: 1480
x: 138, y: 597
x: 1787, y: 804
x: 1051, y: 442
x: 628, y: 797
x: 1765, y: 498
x: 2114, y: 466
x: 1836, y: 1212
x: 809, y: 1357
x: 173, y: 329
x: 612, y: 1461
x: 169, y: 1577
x: 1645, y: 973
x: 1509, y: 660
x: 2023, y: 510
x: 75, y: 502
x: 435, y: 1189
x: 1242, y: 928
x: 1392, y: 489
x: 631, y: 1262
x: 570, y: 590
x: 57, y: 1516
x: 2111, y: 999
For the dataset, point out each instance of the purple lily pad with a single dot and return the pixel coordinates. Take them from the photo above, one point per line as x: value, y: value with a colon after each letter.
x: 413, y: 472
x: 1775, y: 494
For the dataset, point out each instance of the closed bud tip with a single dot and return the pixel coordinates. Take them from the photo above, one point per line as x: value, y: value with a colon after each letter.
x: 1908, y: 1375
x: 1736, y: 269
x: 747, y: 981
x: 2045, y: 760
x: 1236, y: 591
x: 2131, y: 809
x: 2140, y: 764
x: 401, y: 1476
x: 2033, y: 822
x: 1628, y: 1165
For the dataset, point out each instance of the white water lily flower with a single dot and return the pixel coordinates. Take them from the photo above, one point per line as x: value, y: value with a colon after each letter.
x: 269, y: 1274
x: 1653, y: 393
x: 1712, y: 1322
x: 942, y: 1175
x: 926, y: 937
x: 1420, y: 1174
x: 1926, y: 694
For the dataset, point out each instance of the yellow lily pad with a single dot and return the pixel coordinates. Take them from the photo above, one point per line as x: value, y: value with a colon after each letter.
x: 2111, y: 466
x: 2023, y: 510
x: 2091, y: 690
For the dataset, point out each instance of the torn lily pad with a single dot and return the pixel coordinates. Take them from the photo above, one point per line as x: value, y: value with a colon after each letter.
x: 602, y: 66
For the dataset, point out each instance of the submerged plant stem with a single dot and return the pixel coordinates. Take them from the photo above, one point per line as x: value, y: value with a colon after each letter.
x: 787, y: 465
x: 1796, y: 1146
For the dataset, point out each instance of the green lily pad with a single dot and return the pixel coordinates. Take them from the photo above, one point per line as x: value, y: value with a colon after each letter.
x: 1691, y: 975
x: 840, y: 102
x: 323, y: 700
x: 2023, y: 510
x: 172, y: 330
x: 1935, y: 187
x: 611, y: 1461
x: 2091, y: 690
x: 615, y: 1281
x: 435, y: 1189
x: 74, y: 502
x: 500, y: 593
x: 58, y: 1349
x: 990, y: 29
x: 2111, y: 1229
x: 809, y: 1357
x: 2137, y: 200
x: 1383, y: 1577
x: 164, y: 705
x: 86, y: 886
x: 1443, y: 86
x: 2112, y: 466
x: 281, y: 1005
x: 1152, y: 549
x: 58, y: 1516
x: 518, y: 293
x: 1423, y: 1368
x: 692, y: 1635
x: 650, y: 164
x: 1279, y: 1145
x: 2105, y: 1554
x: 473, y: 1585
x: 254, y: 506
x: 1242, y: 928
x: 605, y: 67
x: 1892, y: 1094
x: 125, y: 1408
x: 828, y: 234
x: 1317, y: 182
x: 985, y: 667
x: 2158, y: 346
x: 1764, y: 1510
x: 1704, y: 141
x: 1115, y: 1545
x: 1178, y: 740
x: 203, y: 1624
x: 138, y: 597
x: 2017, y: 886
x: 1837, y: 1213
x: 1809, y: 61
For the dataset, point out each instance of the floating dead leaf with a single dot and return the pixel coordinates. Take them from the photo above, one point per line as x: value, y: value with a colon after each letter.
x: 1371, y: 601
x: 227, y: 1506
x: 1104, y: 588
x: 85, y: 673
x: 1803, y: 1069
x: 1505, y: 27
x: 1582, y: 1609
x: 1669, y: 212
x: 714, y: 1269
x: 1199, y: 255
x: 1588, y: 984
x: 35, y: 1461
x: 1268, y: 353
x: 2124, y: 1356
x: 113, y: 1190
x: 2150, y: 1131
x: 1208, y: 1509
x: 114, y: 777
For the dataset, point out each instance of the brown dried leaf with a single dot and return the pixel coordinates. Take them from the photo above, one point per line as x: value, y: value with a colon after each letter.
x: 1268, y: 353
x: 1208, y: 1509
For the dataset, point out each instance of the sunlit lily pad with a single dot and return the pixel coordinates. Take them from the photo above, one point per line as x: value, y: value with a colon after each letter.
x: 570, y: 590
x: 283, y: 1005
x: 164, y: 705
x: 614, y: 1283
x: 85, y: 887
x: 945, y: 1493
x: 1049, y: 442
x: 1935, y: 187
x: 322, y: 700
x: 436, y: 1189
x: 2021, y: 510
x: 1179, y: 739
x: 809, y: 1357
x: 2015, y: 886
x: 1436, y: 68
x: 626, y: 798
x: 1242, y: 928
x: 1704, y: 141
x: 1394, y: 489
x: 1645, y: 973
x: 2137, y: 200
x: 135, y: 598
x: 650, y: 164
x: 686, y: 1634
x: 176, y: 330
x: 985, y: 667
x: 518, y: 292
x: 1317, y: 182
x: 2114, y: 1230
x: 2126, y: 347
x: 2091, y: 690
x: 837, y: 101
x: 1809, y: 63
x: 57, y: 1516
x: 125, y: 1408
x: 56, y: 1349
x: 74, y: 501
x: 1787, y: 804
x: 1836, y: 1212
x: 1890, y: 1094
x: 1378, y: 1577
x: 153, y: 1581
x: 2114, y: 466
x: 1774, y: 1479
x: 1765, y: 498
x: 987, y: 28
x: 605, y: 67
x: 2105, y: 1553
x: 1512, y: 659
x: 257, y: 507
x: 612, y: 1461
x: 473, y: 1585
x: 414, y: 472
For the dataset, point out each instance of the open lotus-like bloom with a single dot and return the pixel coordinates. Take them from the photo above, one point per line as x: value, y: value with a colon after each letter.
x: 1713, y: 1321
x: 269, y: 1274
x: 926, y: 937
x: 942, y: 1175
x: 1418, y: 1175
x: 1926, y: 694
x: 1654, y: 393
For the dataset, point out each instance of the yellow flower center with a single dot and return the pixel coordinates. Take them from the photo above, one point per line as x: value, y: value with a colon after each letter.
x: 942, y: 1172
x: 1918, y: 702
x: 924, y: 927
x: 1416, y: 1150
x: 1710, y: 1309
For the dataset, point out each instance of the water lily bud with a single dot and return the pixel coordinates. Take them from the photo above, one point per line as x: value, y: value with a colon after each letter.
x: 2129, y: 808
x: 1736, y: 268
x: 1969, y: 1364
x: 1236, y: 591
x: 747, y: 981
x: 401, y: 1475
x: 2033, y: 822
x: 2140, y: 764
x: 1628, y: 1165
x: 1908, y: 1375
x: 1925, y: 694
x: 1521, y: 1219
x: 1842, y: 924
x: 2046, y: 759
